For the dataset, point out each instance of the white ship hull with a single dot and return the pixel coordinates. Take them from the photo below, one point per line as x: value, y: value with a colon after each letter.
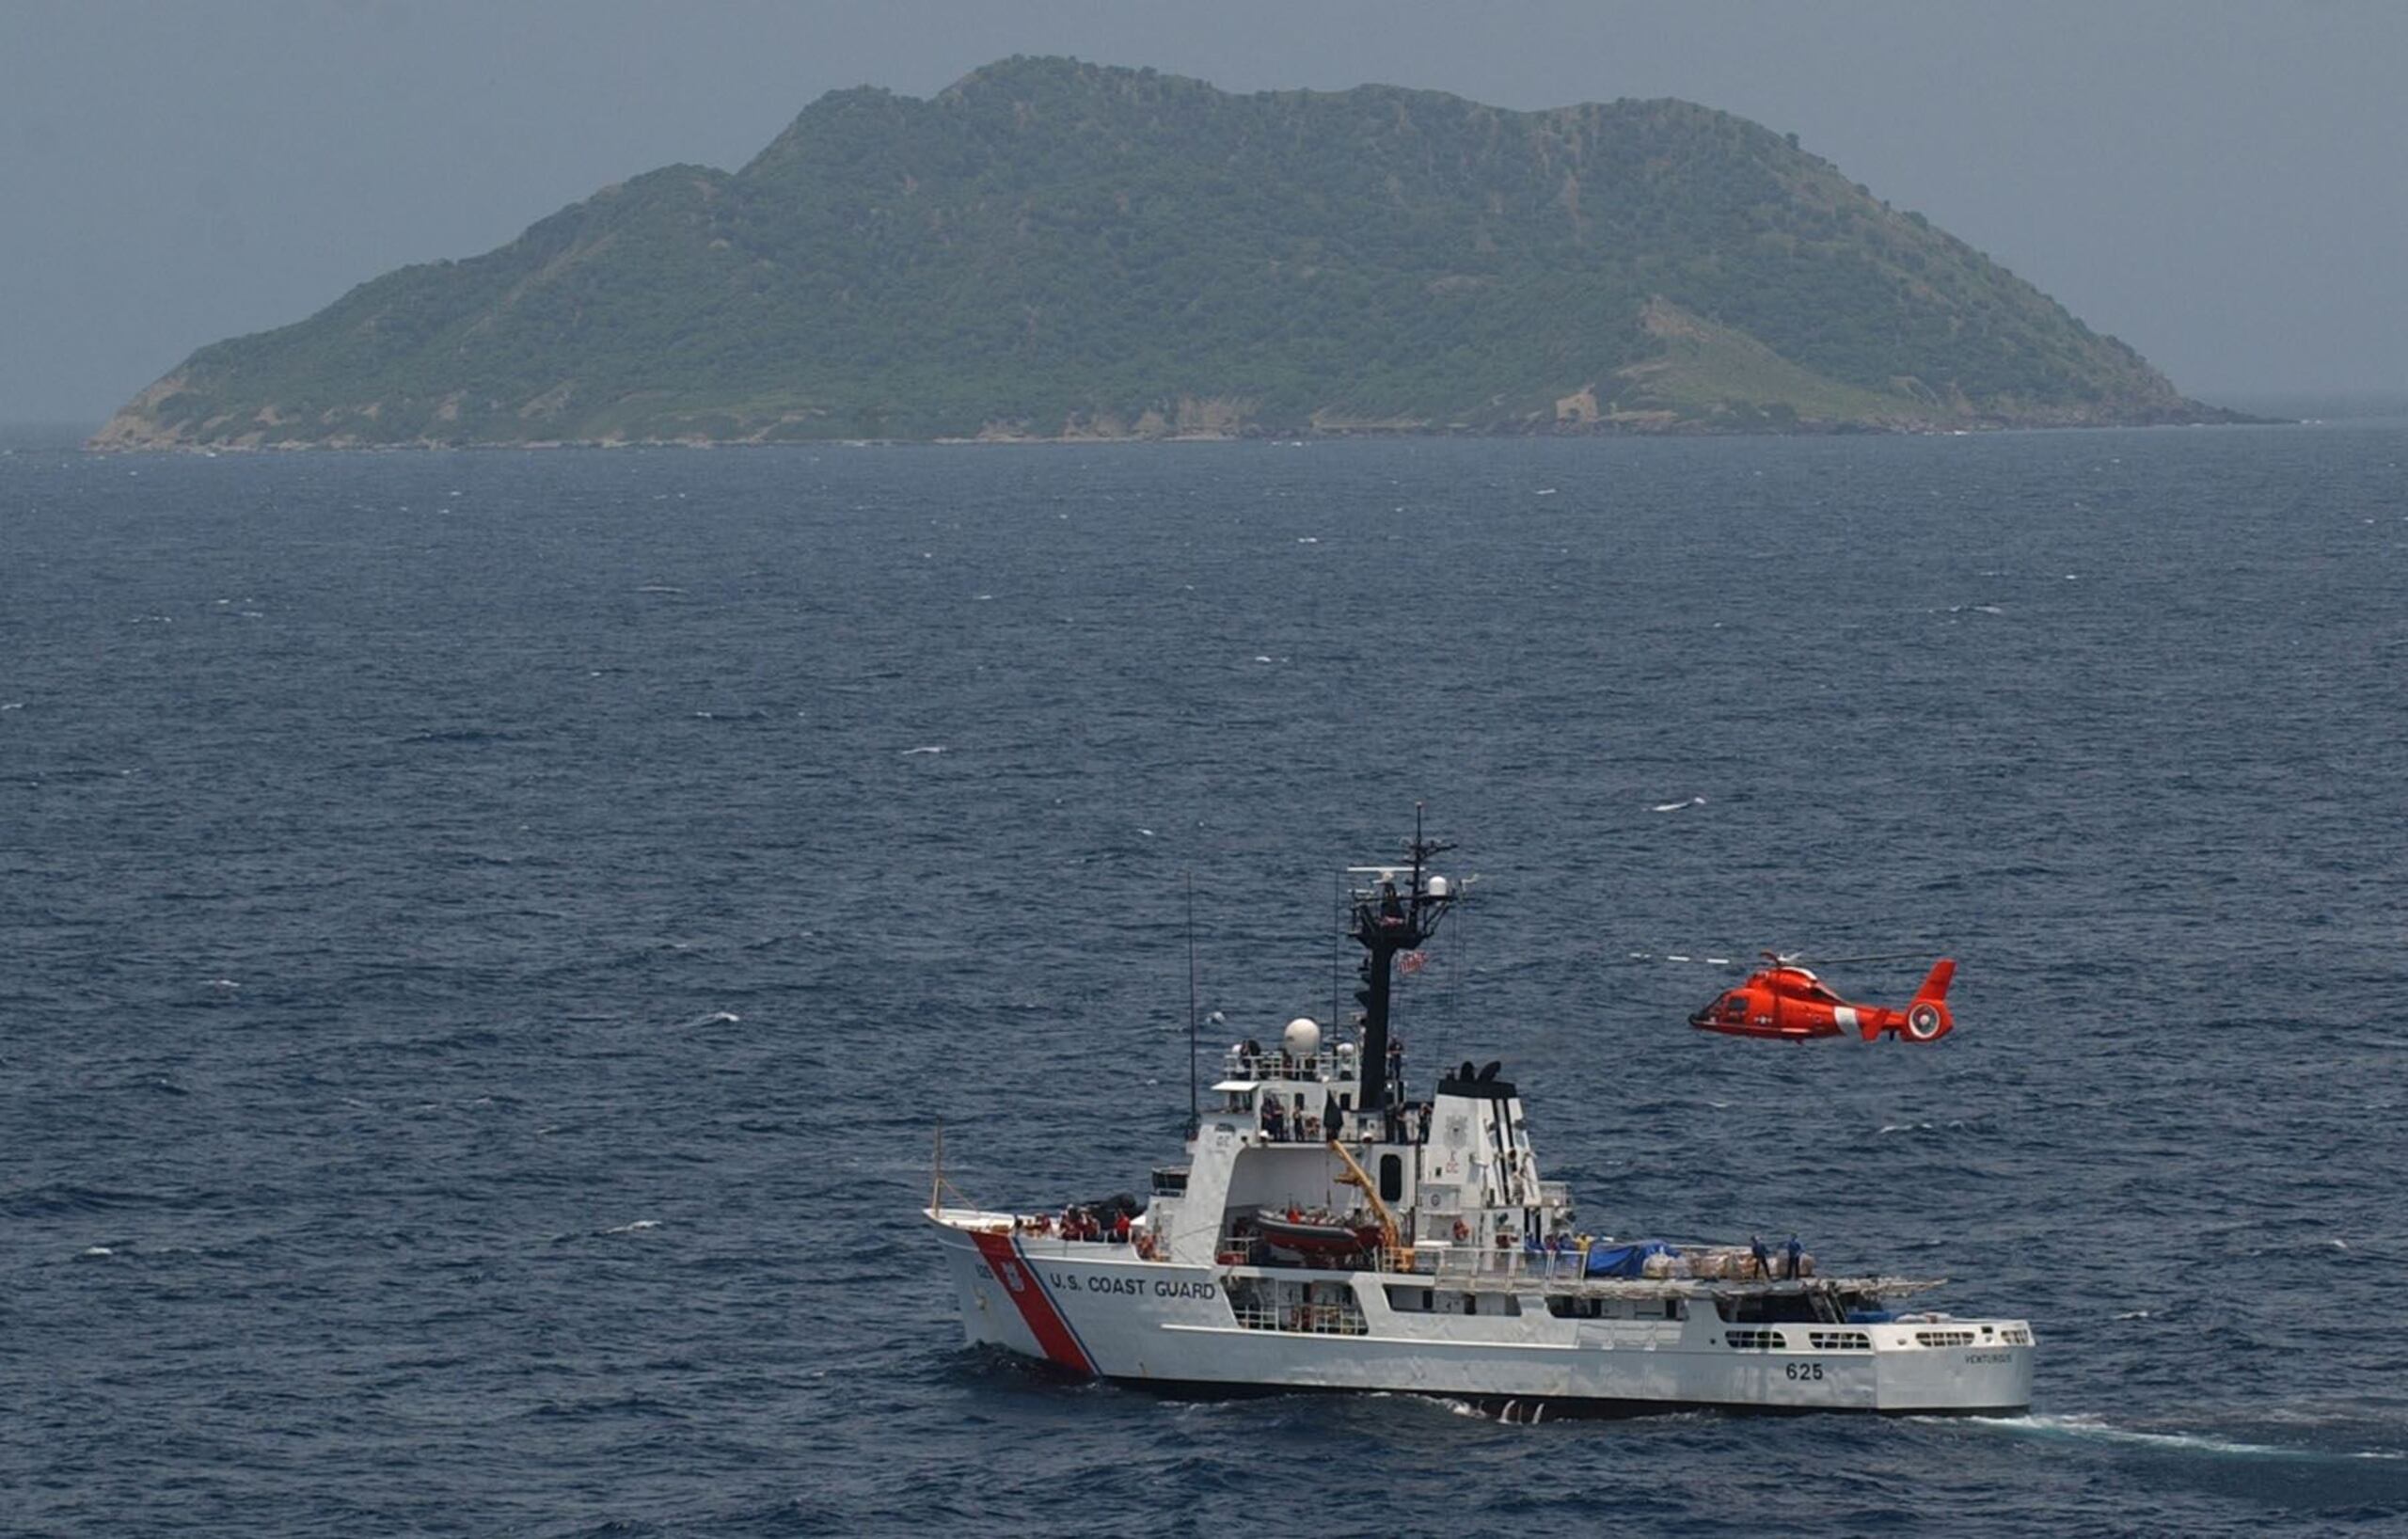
x: 1099, y: 1310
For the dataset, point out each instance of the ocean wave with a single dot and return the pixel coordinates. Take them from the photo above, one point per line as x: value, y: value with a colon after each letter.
x: 2080, y: 1424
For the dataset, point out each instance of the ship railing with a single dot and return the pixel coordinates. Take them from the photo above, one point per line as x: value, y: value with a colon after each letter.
x: 1460, y: 1266
x: 1234, y: 1249
x: 1472, y: 1266
x: 1303, y: 1319
x: 1566, y: 1272
x: 1273, y: 1063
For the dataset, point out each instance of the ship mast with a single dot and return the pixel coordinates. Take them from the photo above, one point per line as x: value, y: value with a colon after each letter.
x: 1385, y: 921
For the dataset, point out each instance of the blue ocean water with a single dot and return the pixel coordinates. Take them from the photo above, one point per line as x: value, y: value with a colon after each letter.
x: 489, y: 937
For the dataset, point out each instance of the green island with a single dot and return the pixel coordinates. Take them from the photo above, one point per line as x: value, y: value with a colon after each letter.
x: 1051, y: 250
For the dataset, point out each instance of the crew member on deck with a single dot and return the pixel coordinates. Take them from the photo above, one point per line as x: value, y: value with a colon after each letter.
x: 1763, y: 1259
x: 1795, y: 1250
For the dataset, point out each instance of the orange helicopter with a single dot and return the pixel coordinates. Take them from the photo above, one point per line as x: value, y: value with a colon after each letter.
x: 1785, y: 1002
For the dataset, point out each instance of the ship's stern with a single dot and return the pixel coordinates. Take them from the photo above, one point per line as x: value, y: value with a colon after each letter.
x: 1954, y: 1367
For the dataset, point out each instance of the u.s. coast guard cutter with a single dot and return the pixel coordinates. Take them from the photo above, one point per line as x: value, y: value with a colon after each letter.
x: 1331, y: 1230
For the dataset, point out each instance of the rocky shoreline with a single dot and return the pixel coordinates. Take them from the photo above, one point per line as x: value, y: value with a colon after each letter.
x: 116, y: 441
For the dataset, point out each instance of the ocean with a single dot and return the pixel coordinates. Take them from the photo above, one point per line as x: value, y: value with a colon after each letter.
x: 490, y: 938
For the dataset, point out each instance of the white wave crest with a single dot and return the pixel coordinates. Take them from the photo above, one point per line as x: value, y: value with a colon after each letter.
x: 2085, y: 1424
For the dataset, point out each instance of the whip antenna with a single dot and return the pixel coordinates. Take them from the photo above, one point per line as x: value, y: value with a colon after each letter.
x: 1337, y: 940
x: 1195, y: 1112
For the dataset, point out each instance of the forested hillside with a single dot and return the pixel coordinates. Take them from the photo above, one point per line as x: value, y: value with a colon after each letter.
x: 1051, y: 248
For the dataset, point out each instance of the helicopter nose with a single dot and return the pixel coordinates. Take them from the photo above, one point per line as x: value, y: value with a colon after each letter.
x: 1702, y: 1018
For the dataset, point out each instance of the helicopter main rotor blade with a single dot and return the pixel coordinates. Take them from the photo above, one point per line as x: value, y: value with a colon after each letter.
x: 1767, y: 958
x: 1650, y: 958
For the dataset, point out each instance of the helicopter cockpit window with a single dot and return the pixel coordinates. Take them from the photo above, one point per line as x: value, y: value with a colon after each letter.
x: 1732, y: 1004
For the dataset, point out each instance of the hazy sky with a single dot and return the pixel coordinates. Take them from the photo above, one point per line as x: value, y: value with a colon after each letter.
x: 2223, y: 186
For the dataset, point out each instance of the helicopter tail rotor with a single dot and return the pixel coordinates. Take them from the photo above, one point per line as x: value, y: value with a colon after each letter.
x: 1927, y: 1018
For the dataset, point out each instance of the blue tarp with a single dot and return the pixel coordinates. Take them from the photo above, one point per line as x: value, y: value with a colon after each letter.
x: 1625, y: 1261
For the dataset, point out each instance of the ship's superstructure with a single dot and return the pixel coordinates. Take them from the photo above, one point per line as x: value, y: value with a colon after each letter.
x: 1329, y: 1231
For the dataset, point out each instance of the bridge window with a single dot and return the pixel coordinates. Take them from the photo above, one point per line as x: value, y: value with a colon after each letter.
x: 1391, y: 1177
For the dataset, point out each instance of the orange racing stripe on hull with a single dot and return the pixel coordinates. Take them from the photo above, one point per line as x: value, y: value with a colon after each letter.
x: 1045, y: 1322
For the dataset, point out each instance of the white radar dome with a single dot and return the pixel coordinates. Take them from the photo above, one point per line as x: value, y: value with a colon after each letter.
x: 1303, y: 1037
x: 1437, y: 887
